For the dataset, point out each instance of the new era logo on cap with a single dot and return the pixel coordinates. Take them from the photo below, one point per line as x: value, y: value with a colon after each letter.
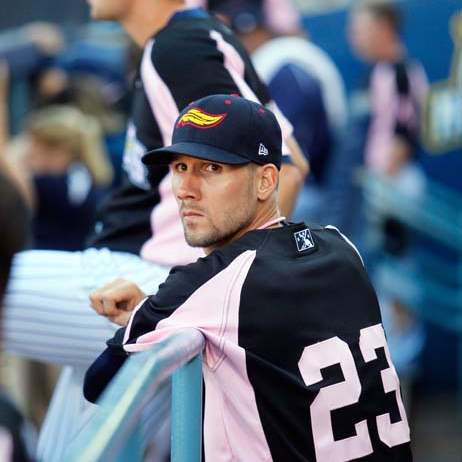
x: 262, y: 151
x: 304, y: 240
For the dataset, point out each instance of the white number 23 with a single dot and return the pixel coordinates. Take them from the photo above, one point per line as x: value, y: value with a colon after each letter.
x: 336, y: 351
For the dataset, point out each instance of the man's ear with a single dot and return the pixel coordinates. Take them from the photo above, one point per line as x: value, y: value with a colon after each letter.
x: 268, y: 177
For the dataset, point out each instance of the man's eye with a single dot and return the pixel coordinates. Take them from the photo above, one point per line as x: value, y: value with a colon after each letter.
x: 179, y: 167
x: 212, y: 167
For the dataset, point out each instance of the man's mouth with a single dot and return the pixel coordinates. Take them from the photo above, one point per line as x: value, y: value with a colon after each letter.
x: 190, y: 212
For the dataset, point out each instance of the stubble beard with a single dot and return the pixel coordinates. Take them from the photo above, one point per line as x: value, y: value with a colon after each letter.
x: 216, y: 237
x: 239, y: 218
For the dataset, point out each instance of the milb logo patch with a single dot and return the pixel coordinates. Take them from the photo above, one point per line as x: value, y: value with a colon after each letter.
x: 304, y: 240
x: 200, y: 119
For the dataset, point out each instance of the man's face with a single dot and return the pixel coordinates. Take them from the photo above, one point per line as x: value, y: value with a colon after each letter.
x: 364, y: 34
x: 109, y: 10
x: 217, y: 202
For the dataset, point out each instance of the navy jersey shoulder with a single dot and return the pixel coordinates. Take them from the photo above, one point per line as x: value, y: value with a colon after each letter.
x: 306, y: 295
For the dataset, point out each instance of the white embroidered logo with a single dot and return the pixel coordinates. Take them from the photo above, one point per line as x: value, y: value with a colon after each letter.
x: 304, y: 240
x: 262, y: 150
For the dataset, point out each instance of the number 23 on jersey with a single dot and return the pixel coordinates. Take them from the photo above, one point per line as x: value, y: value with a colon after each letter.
x: 335, y: 351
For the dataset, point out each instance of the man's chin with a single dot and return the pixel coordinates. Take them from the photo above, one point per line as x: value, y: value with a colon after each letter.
x: 198, y: 241
x: 195, y: 243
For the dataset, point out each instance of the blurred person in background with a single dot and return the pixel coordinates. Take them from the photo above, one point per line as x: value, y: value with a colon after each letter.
x: 16, y: 438
x: 187, y: 55
x: 65, y: 156
x: 397, y: 90
x: 302, y: 79
x: 61, y: 153
x: 397, y: 87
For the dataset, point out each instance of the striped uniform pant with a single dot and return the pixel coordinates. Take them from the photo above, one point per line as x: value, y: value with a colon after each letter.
x: 47, y: 317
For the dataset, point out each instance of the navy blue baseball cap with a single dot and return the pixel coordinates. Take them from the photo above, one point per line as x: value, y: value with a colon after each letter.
x: 225, y: 129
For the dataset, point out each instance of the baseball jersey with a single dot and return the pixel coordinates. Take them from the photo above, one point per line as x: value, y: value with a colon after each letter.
x: 296, y: 364
x: 193, y: 56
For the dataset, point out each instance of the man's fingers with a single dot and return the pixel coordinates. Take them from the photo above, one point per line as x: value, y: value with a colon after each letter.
x: 121, y: 318
x: 115, y: 299
x: 123, y: 305
x: 109, y: 306
x: 96, y: 302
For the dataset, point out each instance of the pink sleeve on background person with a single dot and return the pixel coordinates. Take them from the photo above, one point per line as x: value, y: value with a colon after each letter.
x: 384, y: 106
x: 286, y: 127
x: 163, y: 105
x: 236, y: 68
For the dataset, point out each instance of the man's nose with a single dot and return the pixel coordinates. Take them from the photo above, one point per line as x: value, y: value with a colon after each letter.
x: 187, y: 186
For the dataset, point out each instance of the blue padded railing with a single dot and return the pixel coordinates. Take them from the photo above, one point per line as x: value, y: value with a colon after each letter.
x: 114, y: 432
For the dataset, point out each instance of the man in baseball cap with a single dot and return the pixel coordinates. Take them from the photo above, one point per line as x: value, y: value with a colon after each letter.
x: 291, y: 322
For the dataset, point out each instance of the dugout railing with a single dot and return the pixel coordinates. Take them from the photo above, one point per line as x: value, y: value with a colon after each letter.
x: 115, y: 431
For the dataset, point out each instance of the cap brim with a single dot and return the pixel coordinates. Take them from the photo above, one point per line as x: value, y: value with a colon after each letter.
x: 163, y: 156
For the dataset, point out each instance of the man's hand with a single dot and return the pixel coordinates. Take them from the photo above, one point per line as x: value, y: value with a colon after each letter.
x: 117, y: 300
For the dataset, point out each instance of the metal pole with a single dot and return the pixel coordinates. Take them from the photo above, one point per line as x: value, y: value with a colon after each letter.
x: 133, y: 448
x: 187, y: 412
